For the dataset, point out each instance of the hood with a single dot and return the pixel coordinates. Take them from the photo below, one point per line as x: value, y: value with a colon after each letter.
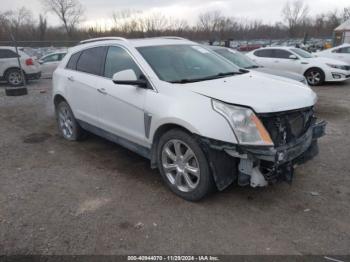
x: 290, y: 75
x: 325, y: 60
x: 258, y: 91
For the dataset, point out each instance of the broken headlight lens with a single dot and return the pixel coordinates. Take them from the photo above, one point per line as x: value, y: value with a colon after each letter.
x: 245, y: 124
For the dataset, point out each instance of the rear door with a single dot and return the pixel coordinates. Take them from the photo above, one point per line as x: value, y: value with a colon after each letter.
x: 122, y: 106
x: 8, y: 59
x: 84, y: 70
x: 263, y: 57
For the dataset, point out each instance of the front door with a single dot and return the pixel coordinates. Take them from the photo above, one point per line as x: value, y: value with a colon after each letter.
x: 121, y: 107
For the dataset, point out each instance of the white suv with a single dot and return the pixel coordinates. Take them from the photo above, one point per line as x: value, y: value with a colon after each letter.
x: 317, y: 70
x: 201, y: 120
x: 9, y: 68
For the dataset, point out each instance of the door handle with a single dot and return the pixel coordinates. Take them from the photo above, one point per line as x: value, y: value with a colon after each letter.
x: 71, y: 78
x: 102, y: 91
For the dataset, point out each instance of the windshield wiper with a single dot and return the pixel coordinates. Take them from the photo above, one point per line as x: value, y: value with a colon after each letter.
x: 219, y: 75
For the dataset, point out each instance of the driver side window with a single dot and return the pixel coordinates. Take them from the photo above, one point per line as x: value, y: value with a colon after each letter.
x: 118, y: 60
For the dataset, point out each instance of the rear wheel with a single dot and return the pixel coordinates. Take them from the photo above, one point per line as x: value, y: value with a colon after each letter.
x: 67, y: 124
x: 14, y: 77
x: 184, y: 166
x: 315, y: 77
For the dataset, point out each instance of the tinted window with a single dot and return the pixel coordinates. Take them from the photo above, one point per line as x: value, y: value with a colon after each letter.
x: 119, y: 60
x: 72, y: 64
x: 282, y: 54
x: 5, y: 53
x: 263, y: 53
x: 61, y: 56
x: 92, y: 60
x: 344, y: 50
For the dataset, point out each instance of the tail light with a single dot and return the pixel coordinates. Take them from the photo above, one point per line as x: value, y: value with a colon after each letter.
x: 29, y: 62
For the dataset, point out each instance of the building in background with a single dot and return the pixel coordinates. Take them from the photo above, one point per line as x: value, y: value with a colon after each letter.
x: 342, y: 33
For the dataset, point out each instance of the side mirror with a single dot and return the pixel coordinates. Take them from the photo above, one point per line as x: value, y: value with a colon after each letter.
x: 128, y: 77
x: 40, y: 62
x: 294, y: 57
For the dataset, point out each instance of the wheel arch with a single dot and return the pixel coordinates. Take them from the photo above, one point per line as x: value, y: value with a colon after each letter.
x: 58, y: 98
x: 314, y: 67
x: 11, y: 68
x: 162, y: 129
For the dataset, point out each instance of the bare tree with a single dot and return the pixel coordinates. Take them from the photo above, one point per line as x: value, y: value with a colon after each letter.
x: 346, y: 14
x: 70, y: 12
x: 42, y: 27
x: 294, y: 14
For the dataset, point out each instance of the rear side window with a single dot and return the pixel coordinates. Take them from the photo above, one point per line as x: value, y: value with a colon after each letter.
x: 72, y: 64
x: 5, y: 53
x: 92, y: 60
x: 344, y: 50
x: 263, y: 53
x: 282, y: 54
x: 119, y: 60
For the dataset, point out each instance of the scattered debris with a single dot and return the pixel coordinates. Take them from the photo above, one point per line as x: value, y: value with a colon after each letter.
x: 51, y: 152
x: 155, y: 224
x: 139, y: 225
x: 307, y: 210
x: 314, y: 193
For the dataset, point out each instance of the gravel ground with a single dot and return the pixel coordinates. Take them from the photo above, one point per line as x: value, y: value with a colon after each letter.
x: 94, y: 197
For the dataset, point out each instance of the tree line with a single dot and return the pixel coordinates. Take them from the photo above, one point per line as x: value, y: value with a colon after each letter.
x: 295, y: 23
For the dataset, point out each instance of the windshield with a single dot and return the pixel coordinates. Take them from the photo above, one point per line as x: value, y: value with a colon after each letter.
x: 186, y: 63
x: 237, y: 58
x: 302, y: 53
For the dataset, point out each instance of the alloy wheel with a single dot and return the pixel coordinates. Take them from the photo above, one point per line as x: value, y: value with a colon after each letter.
x: 180, y: 165
x: 15, y: 78
x: 65, y: 119
x: 314, y: 77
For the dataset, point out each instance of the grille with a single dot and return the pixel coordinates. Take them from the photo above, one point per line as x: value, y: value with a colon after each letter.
x: 286, y: 127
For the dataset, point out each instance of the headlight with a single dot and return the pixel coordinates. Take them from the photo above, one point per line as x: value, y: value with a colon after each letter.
x: 341, y: 67
x: 246, y: 126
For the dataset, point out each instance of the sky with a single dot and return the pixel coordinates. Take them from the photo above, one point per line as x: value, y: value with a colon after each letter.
x: 99, y: 12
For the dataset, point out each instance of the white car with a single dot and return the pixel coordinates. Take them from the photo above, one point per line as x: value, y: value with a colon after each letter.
x: 317, y: 70
x: 245, y: 62
x: 9, y: 67
x: 341, y: 52
x: 50, y: 62
x: 195, y: 115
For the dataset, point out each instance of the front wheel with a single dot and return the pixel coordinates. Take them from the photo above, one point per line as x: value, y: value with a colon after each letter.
x: 183, y: 165
x: 315, y: 77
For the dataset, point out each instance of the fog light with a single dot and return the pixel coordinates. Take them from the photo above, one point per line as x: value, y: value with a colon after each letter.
x: 336, y: 76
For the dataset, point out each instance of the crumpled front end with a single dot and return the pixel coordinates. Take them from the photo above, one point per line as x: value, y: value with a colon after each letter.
x: 295, y: 135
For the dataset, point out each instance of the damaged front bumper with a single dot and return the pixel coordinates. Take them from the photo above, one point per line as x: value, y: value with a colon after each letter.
x: 259, y: 166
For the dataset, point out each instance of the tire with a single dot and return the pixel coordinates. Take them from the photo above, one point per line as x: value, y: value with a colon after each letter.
x: 315, y: 76
x: 67, y: 124
x: 185, y: 169
x: 14, y: 77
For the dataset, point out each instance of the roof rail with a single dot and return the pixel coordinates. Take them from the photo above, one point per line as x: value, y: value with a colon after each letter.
x: 173, y: 37
x: 102, y: 39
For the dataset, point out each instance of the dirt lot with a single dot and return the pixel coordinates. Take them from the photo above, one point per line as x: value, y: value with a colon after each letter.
x: 94, y: 197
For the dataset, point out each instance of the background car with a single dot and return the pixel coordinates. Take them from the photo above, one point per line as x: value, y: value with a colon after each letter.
x: 341, y: 52
x: 50, y: 62
x: 317, y: 70
x: 9, y: 68
x: 245, y: 62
